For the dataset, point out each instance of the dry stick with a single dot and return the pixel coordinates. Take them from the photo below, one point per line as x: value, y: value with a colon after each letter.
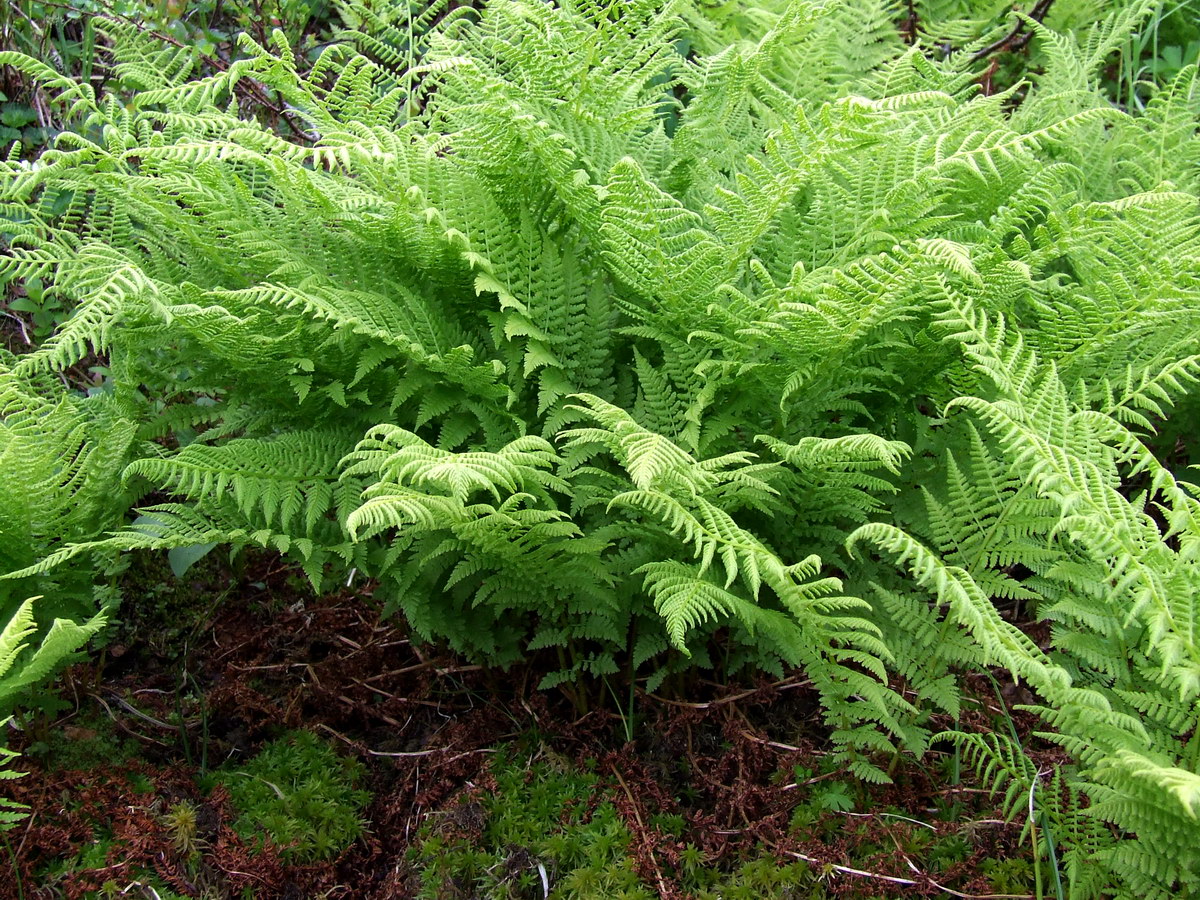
x: 896, y: 879
x: 862, y: 873
x: 662, y: 886
x: 129, y: 707
x: 413, y: 668
x: 913, y: 867
x: 270, y: 668
x: 123, y: 726
x: 33, y: 814
x: 885, y: 816
x: 814, y: 780
x: 382, y: 693
x: 778, y: 746
x: 1018, y: 37
x: 21, y: 325
x: 405, y: 754
x: 362, y: 749
x: 253, y: 875
x: 954, y: 893
x: 425, y: 664
x: 965, y: 790
x: 785, y: 684
x: 384, y: 646
x: 350, y: 704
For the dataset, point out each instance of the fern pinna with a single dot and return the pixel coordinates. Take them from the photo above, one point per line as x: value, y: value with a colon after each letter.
x: 637, y: 332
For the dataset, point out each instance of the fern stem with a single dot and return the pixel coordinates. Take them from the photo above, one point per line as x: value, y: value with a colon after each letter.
x: 16, y: 869
x: 1033, y: 844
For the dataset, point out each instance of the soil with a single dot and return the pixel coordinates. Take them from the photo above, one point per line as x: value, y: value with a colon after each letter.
x: 260, y: 654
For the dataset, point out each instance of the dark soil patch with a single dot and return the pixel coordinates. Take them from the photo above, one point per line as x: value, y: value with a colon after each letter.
x: 426, y: 726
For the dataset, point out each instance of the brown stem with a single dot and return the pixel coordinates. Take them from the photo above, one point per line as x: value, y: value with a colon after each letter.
x: 1018, y: 37
x: 909, y: 27
x: 986, y: 81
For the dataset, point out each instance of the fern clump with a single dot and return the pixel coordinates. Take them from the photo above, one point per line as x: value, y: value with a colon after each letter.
x: 629, y: 333
x: 26, y: 663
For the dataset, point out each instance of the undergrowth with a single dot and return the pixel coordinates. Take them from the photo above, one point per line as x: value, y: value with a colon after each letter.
x: 537, y: 826
x: 300, y: 795
x: 646, y: 339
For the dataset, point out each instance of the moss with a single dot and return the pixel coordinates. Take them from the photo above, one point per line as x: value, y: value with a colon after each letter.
x: 537, y: 830
x: 84, y: 742
x: 299, y: 795
x: 543, y: 821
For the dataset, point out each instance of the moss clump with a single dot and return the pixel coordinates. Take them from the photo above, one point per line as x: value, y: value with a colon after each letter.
x: 299, y: 795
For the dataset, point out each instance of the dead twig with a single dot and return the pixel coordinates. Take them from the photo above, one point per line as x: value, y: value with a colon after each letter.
x: 403, y: 754
x: 896, y: 879
x: 813, y: 780
x: 134, y: 711
x: 783, y: 685
x: 33, y: 814
x: 124, y: 727
x: 788, y: 748
x: 20, y: 324
x: 662, y: 886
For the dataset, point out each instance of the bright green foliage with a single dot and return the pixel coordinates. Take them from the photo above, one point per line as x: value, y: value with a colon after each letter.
x: 300, y: 795
x: 58, y: 453
x: 24, y: 665
x: 625, y: 330
x: 11, y: 812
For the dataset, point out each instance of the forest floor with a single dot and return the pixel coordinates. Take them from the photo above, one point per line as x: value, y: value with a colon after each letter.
x: 479, y: 784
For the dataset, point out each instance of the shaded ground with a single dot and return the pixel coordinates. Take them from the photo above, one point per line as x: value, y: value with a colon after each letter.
x: 709, y: 783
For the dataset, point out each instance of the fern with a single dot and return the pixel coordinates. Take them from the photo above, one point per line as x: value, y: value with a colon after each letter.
x: 619, y: 334
x: 23, y: 665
